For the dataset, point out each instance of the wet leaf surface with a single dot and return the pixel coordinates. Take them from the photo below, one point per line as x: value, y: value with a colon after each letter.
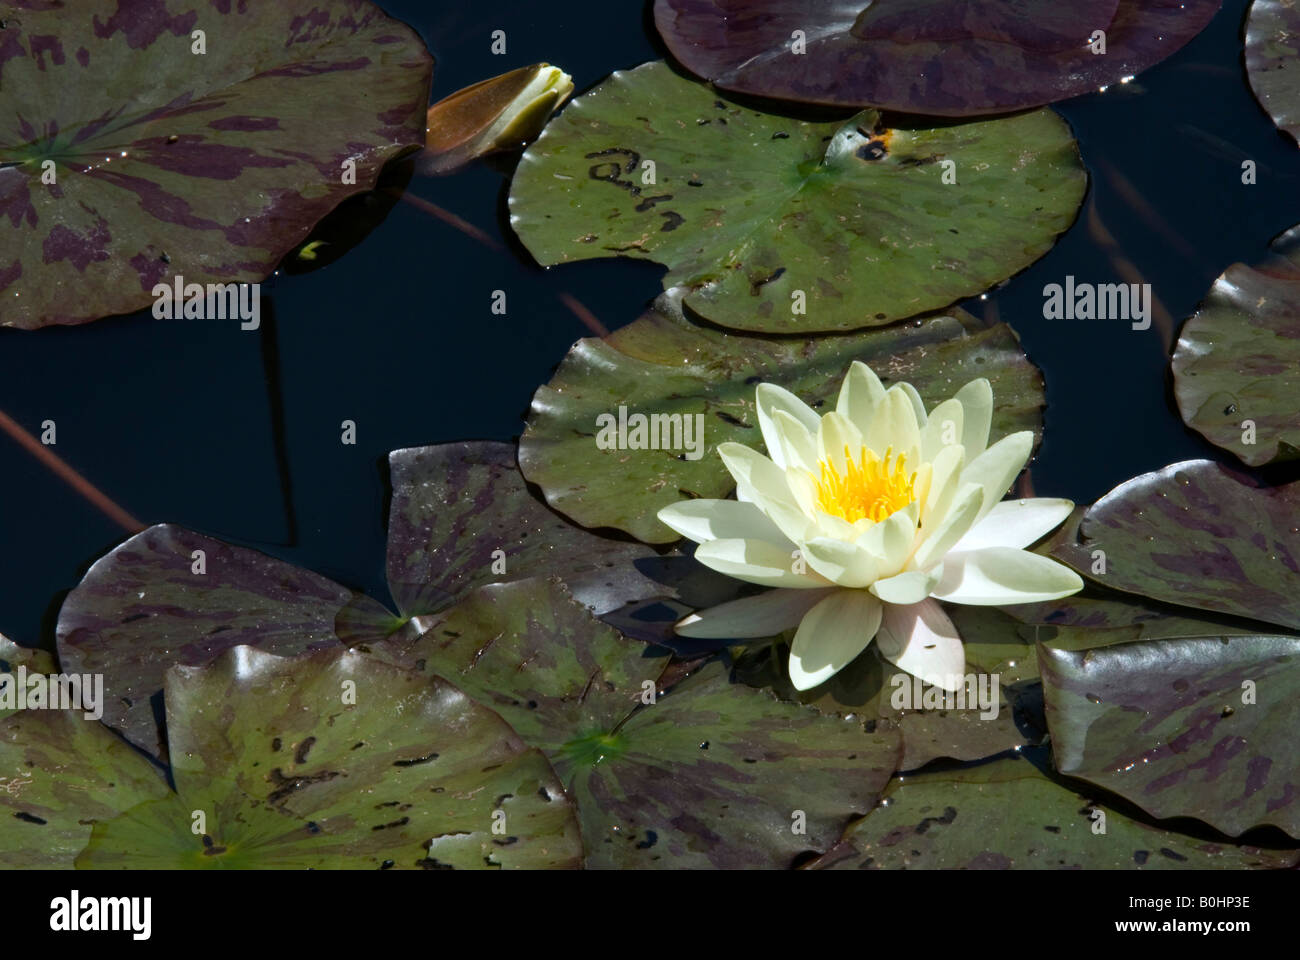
x: 1273, y: 60
x: 709, y: 774
x: 1007, y: 815
x: 336, y: 760
x: 462, y: 516
x: 1199, y: 727
x: 785, y: 226
x: 59, y: 769
x: 662, y: 364
x: 1198, y: 535
x: 168, y: 163
x: 936, y: 57
x: 142, y: 608
x: 1237, y: 361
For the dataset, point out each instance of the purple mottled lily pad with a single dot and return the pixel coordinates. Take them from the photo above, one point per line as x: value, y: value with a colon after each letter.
x: 1198, y: 727
x: 707, y: 773
x: 146, y: 606
x: 1237, y: 362
x: 935, y: 57
x: 337, y: 760
x: 462, y: 516
x: 1008, y: 815
x: 148, y: 142
x: 1196, y: 534
x: 1273, y: 60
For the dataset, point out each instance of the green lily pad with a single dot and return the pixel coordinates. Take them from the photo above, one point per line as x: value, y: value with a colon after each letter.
x: 662, y: 364
x: 706, y: 774
x: 785, y: 226
x: 336, y: 760
x: 1145, y: 620
x: 132, y: 156
x: 60, y: 774
x: 142, y: 608
x: 1273, y: 60
x: 1237, y: 361
x: 13, y: 656
x: 934, y: 57
x: 1198, y: 535
x: 1007, y: 815
x: 462, y: 516
x: 1201, y: 727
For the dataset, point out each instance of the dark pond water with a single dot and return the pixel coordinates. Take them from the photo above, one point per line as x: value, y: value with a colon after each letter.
x: 237, y: 434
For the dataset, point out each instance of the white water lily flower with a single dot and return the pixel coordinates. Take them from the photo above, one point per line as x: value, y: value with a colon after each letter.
x: 864, y: 518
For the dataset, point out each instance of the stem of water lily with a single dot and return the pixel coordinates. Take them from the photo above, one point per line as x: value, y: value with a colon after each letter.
x: 73, y: 479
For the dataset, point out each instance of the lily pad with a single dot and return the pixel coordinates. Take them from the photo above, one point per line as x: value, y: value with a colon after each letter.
x: 1273, y: 60
x: 172, y: 160
x: 1237, y: 362
x: 336, y: 760
x: 936, y: 57
x: 143, y: 607
x: 462, y: 516
x: 786, y: 226
x: 1200, y: 727
x: 1198, y: 535
x: 874, y: 691
x: 1008, y: 815
x: 13, y: 656
x: 706, y: 774
x: 60, y: 772
x: 665, y: 365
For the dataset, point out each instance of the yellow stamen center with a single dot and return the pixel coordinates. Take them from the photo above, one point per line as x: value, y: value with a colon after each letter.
x: 869, y: 487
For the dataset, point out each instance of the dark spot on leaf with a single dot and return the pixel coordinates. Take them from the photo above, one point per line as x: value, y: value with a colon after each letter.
x: 275, y: 745
x: 134, y: 617
x: 29, y: 818
x: 303, y: 749
x: 396, y: 823
x: 651, y: 838
x: 410, y: 763
x: 386, y: 865
x: 780, y: 135
x: 1166, y: 852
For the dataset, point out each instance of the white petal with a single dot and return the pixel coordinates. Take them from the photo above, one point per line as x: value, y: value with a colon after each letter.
x: 911, y: 586
x: 951, y: 528
x: 836, y: 435
x: 891, y: 540
x: 798, y: 444
x: 831, y: 635
x: 944, y: 428
x: 763, y: 615
x: 918, y: 405
x: 977, y: 408
x: 1001, y: 575
x: 920, y: 639
x: 756, y: 562
x: 861, y: 394
x: 770, y: 398
x: 763, y: 483
x: 998, y: 466
x: 945, y: 479
x: 1016, y: 523
x: 844, y: 564
x: 705, y: 520
x: 894, y: 425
